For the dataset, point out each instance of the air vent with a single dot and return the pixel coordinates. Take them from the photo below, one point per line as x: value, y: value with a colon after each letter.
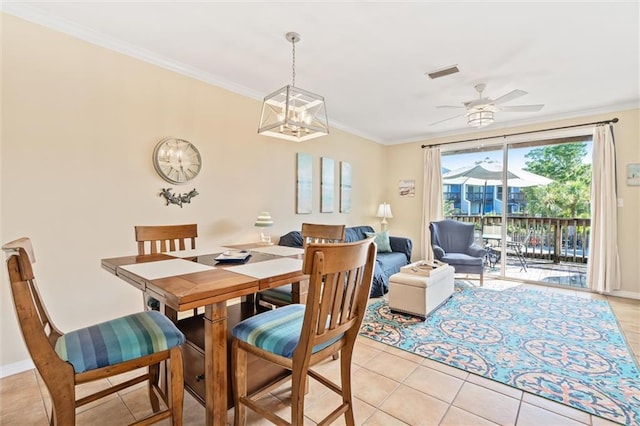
x: 443, y: 72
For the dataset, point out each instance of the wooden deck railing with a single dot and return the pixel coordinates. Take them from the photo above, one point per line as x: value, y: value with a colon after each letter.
x: 557, y: 239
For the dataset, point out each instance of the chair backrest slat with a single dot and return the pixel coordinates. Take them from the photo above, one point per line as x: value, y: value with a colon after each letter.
x: 163, y: 238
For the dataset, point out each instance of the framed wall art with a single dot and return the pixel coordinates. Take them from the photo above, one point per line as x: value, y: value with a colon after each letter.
x: 327, y: 186
x: 345, y: 187
x: 407, y: 188
x: 304, y: 189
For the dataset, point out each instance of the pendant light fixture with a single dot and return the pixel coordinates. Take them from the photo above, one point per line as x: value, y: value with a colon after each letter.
x: 292, y: 113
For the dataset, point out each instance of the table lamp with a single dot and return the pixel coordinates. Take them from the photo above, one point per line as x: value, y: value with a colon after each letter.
x: 384, y: 211
x: 263, y: 221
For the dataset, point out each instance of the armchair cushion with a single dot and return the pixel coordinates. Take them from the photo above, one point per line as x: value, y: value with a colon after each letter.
x: 476, y: 251
x: 438, y: 251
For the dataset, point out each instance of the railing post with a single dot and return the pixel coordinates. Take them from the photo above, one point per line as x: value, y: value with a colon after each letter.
x: 557, y: 249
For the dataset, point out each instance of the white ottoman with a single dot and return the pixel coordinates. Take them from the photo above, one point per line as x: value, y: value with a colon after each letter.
x: 419, y: 295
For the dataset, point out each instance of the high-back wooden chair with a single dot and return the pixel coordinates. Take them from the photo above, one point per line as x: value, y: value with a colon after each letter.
x: 164, y: 238
x: 298, y: 336
x: 124, y: 344
x: 161, y: 239
x: 311, y: 233
x: 321, y: 233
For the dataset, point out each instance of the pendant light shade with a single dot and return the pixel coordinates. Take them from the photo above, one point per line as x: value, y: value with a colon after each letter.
x: 292, y: 113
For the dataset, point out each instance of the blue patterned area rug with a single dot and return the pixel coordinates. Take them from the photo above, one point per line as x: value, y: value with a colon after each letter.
x: 564, y: 348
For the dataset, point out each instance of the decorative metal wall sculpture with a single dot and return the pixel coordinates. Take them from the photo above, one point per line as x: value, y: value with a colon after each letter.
x: 178, y: 199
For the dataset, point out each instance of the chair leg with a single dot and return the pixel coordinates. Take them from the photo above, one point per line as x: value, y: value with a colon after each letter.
x: 154, y: 379
x: 298, y: 387
x: 239, y: 381
x: 176, y: 386
x: 481, y: 279
x: 345, y: 377
x: 63, y: 401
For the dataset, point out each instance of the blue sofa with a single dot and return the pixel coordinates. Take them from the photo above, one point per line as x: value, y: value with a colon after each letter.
x: 387, y: 264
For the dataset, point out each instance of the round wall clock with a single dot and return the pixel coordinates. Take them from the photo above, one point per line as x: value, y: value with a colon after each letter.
x: 176, y: 160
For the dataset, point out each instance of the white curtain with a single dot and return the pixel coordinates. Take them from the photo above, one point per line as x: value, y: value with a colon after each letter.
x: 603, y: 268
x: 432, y: 197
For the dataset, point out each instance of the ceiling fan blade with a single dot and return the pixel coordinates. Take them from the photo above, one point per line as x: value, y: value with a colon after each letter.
x: 446, y: 119
x: 509, y: 96
x: 449, y: 106
x: 521, y: 108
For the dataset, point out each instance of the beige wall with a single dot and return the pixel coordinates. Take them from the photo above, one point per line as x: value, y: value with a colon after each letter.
x: 405, y: 162
x: 79, y: 124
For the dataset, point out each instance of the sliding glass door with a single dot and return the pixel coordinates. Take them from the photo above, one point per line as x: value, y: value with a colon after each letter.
x: 536, y: 226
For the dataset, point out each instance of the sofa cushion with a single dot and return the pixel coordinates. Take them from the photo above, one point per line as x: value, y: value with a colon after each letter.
x: 382, y: 241
x: 356, y: 233
x: 292, y: 239
x: 391, y: 262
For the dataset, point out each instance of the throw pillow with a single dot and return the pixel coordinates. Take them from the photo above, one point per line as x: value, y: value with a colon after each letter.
x: 382, y: 241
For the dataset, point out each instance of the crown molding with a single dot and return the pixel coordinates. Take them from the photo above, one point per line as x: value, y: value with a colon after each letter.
x: 37, y: 16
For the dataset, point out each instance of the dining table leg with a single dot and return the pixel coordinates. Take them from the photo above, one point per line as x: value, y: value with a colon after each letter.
x: 215, y: 363
x: 299, y: 291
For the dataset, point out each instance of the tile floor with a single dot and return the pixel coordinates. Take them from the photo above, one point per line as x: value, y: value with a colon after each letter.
x: 391, y: 387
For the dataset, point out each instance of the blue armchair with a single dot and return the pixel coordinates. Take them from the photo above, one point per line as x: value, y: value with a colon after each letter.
x: 453, y: 243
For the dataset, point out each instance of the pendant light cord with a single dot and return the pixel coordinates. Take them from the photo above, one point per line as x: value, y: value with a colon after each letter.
x: 293, y: 66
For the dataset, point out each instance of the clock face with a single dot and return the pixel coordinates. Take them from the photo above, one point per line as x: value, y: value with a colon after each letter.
x: 176, y: 160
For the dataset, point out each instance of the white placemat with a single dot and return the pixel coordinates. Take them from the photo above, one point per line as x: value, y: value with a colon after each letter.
x: 268, y: 268
x: 279, y: 250
x: 165, y: 268
x: 197, y: 251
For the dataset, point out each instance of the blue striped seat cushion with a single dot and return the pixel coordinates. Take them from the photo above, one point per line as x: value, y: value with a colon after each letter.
x: 118, y: 340
x: 282, y: 293
x: 276, y: 331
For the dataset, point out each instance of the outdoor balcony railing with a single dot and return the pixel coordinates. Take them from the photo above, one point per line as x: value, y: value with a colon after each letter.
x: 478, y: 197
x: 451, y: 196
x: 556, y: 239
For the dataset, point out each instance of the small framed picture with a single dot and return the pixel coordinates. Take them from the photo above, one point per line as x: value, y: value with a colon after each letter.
x: 633, y: 174
x: 407, y: 188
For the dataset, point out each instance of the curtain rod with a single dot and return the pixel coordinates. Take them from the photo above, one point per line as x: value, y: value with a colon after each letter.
x: 613, y: 120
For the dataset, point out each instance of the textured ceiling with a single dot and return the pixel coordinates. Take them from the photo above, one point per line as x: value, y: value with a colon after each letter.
x: 369, y: 59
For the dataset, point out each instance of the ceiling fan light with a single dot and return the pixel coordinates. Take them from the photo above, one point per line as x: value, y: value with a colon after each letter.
x: 480, y: 118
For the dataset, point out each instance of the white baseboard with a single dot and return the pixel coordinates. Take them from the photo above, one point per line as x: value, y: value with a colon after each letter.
x: 625, y: 294
x: 15, y: 368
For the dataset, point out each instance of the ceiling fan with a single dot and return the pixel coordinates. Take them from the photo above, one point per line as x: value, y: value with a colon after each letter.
x: 480, y: 112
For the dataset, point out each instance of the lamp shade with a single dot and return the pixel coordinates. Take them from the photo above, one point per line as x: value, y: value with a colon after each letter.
x: 264, y: 220
x: 384, y: 210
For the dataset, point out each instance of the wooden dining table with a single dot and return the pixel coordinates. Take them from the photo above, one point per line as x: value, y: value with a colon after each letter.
x: 191, y: 279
